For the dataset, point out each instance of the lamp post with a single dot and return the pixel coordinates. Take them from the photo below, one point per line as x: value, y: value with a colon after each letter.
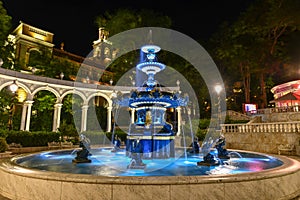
x: 13, y: 88
x: 218, y: 89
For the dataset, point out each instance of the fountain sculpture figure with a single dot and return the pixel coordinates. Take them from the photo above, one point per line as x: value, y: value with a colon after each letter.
x: 84, y: 152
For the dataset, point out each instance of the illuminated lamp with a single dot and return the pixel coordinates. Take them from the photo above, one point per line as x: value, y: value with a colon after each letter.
x: 13, y: 87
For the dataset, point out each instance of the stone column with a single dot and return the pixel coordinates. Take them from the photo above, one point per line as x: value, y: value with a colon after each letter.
x: 56, y: 116
x: 178, y: 109
x: 29, y: 105
x: 84, y: 109
x: 23, y: 117
x: 108, y: 128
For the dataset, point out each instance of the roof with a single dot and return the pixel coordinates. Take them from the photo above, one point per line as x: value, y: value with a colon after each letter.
x: 287, y: 97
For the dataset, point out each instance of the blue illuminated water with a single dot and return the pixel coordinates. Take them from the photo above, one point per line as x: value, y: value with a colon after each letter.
x: 107, y: 163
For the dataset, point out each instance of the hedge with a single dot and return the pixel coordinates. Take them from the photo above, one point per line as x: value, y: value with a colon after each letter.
x: 32, y: 139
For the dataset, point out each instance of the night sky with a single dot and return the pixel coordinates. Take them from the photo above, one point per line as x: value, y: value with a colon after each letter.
x: 72, y: 22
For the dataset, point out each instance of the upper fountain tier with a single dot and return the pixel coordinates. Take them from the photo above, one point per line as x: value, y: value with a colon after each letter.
x: 150, y: 66
x: 151, y: 94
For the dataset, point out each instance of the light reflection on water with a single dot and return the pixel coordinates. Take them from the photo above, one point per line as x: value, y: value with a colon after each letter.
x: 106, y: 163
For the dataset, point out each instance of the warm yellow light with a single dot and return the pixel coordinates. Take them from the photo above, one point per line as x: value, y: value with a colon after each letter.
x: 38, y: 36
x: 22, y: 95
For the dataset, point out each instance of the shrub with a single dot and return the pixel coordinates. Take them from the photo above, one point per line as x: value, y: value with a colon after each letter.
x: 32, y: 139
x: 3, y: 145
x: 4, y: 133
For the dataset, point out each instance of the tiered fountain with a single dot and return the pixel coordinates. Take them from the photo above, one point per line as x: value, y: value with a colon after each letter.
x: 151, y: 136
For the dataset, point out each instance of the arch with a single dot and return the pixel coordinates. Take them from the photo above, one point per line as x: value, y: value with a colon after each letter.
x: 50, y: 89
x: 34, y: 49
x: 73, y: 92
x: 101, y: 95
x: 23, y: 86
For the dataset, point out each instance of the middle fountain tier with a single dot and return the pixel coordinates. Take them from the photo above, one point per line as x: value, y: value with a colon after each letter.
x: 150, y: 135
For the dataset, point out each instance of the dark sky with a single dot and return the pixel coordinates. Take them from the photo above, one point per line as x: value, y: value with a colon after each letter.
x: 72, y: 22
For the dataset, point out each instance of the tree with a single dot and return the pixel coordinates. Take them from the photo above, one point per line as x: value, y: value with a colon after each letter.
x: 43, y: 107
x: 6, y: 44
x: 256, y: 42
x: 270, y: 22
x: 124, y: 19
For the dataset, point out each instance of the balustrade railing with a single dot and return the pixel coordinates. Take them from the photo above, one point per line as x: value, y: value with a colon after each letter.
x: 282, y: 127
x: 295, y: 108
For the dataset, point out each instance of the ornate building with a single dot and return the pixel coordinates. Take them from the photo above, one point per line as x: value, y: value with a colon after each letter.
x: 287, y: 94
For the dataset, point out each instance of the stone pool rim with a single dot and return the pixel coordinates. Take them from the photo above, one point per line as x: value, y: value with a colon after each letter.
x: 281, y: 182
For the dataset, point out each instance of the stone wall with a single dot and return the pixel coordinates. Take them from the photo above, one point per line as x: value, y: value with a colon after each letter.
x: 262, y: 142
x: 281, y: 117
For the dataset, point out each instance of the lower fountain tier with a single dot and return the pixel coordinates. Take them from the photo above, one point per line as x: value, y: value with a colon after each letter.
x: 155, y: 146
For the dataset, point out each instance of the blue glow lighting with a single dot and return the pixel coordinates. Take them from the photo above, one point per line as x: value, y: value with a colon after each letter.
x: 106, y: 163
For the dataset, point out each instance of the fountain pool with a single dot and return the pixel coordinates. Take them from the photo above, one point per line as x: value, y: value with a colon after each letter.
x: 107, y: 163
x: 52, y: 175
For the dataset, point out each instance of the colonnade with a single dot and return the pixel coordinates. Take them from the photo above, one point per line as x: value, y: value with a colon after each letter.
x: 27, y: 112
x: 32, y: 84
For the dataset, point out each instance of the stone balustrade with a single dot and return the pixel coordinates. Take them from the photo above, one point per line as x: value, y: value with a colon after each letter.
x: 276, y: 127
x: 263, y: 137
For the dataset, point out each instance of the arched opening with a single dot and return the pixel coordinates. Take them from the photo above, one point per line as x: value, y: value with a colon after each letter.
x: 70, y: 117
x: 11, y: 108
x: 97, y: 107
x: 42, y: 111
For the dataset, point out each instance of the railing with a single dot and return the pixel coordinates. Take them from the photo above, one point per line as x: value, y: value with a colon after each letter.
x: 295, y: 108
x: 281, y: 127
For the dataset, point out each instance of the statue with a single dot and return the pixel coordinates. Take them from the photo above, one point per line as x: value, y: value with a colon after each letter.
x: 136, y: 156
x: 195, y: 146
x: 222, y: 153
x: 117, y: 144
x: 84, y: 152
x: 210, y: 158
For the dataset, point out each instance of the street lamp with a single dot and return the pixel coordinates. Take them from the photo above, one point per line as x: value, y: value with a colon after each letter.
x: 218, y: 89
x: 13, y: 87
x: 61, y: 75
x: 111, y: 82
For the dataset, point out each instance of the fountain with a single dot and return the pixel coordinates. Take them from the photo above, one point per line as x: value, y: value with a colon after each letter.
x: 150, y: 136
x: 151, y: 166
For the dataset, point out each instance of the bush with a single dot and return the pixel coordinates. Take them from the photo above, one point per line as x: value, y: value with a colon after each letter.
x: 4, y: 133
x: 32, y: 139
x: 3, y: 145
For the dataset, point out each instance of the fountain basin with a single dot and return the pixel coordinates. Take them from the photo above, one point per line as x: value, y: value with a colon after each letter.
x: 277, y: 183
